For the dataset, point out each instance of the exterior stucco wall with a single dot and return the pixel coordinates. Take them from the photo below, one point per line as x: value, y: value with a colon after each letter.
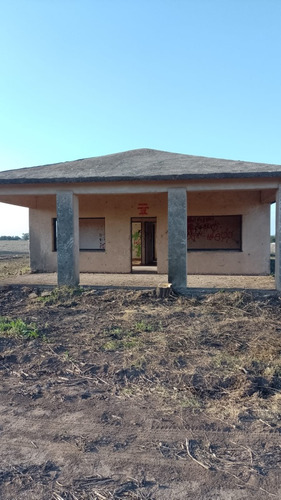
x: 118, y: 210
x: 255, y: 255
x: 42, y: 257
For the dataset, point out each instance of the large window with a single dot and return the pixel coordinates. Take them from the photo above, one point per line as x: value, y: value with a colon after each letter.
x: 91, y: 234
x: 218, y: 232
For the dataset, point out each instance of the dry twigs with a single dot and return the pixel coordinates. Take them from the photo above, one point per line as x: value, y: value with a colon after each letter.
x: 192, y: 457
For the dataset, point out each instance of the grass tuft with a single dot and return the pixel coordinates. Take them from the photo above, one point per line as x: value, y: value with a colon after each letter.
x: 62, y: 295
x: 18, y: 328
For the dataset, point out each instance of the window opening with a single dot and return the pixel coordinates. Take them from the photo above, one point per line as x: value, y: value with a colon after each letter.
x: 91, y: 234
x: 218, y: 232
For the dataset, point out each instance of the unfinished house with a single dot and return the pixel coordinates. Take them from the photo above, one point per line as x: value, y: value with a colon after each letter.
x: 147, y: 209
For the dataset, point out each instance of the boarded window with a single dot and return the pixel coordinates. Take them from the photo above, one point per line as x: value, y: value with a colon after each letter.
x: 218, y: 232
x: 91, y: 234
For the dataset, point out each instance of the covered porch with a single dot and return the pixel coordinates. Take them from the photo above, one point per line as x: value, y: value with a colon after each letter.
x: 180, y: 263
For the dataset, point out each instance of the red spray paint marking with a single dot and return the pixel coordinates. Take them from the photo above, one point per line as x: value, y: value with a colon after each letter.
x: 143, y: 208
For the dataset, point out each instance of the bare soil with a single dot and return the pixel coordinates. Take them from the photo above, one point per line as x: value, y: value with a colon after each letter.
x: 119, y: 395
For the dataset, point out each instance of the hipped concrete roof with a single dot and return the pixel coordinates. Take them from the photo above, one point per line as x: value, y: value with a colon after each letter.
x: 139, y: 164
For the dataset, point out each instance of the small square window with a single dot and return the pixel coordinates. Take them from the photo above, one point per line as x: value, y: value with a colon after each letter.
x: 91, y: 234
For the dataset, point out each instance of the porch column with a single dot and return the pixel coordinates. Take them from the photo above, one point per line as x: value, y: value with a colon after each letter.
x: 177, y: 237
x: 67, y: 238
x: 278, y: 241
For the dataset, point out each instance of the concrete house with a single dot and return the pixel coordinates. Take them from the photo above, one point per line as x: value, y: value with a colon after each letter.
x: 176, y: 213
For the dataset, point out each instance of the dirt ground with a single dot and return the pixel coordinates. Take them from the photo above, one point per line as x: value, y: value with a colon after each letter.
x: 14, y: 259
x: 115, y: 394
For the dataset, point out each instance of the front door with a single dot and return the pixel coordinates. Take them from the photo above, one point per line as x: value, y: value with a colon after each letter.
x: 143, y: 232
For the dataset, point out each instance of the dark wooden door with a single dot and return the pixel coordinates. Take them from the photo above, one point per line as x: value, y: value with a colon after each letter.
x: 149, y: 231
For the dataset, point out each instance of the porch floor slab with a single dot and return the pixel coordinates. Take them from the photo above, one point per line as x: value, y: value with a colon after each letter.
x: 146, y: 281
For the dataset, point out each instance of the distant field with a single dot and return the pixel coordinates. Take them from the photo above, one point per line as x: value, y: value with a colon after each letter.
x: 14, y: 258
x: 14, y: 247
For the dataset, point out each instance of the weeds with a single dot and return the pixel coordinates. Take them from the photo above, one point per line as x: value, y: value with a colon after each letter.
x: 142, y: 326
x: 225, y: 362
x: 121, y: 341
x: 25, y: 270
x: 61, y: 295
x: 192, y: 402
x: 18, y: 328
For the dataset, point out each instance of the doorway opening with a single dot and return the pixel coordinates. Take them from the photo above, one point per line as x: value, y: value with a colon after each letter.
x: 143, y: 244
x: 272, y: 237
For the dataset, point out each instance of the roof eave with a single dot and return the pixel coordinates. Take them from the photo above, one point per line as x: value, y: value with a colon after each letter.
x: 128, y: 178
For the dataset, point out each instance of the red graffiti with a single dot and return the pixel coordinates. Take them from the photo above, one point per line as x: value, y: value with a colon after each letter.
x: 221, y: 236
x: 143, y: 208
x: 208, y: 228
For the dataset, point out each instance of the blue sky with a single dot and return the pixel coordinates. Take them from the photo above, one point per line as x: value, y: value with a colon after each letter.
x: 81, y: 78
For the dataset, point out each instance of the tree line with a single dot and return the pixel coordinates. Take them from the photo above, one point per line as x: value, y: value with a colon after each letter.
x: 24, y: 236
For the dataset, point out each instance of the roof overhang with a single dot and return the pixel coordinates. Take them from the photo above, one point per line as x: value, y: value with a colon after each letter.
x: 141, y: 165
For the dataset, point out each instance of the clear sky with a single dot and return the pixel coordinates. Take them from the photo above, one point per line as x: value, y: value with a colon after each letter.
x: 81, y: 78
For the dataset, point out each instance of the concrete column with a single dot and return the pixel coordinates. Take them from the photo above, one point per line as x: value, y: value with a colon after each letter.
x: 177, y: 237
x: 278, y: 241
x: 68, y: 238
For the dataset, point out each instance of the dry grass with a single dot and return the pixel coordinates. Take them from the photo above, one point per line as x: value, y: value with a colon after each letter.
x: 193, y: 380
x: 220, y: 354
x: 13, y: 266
